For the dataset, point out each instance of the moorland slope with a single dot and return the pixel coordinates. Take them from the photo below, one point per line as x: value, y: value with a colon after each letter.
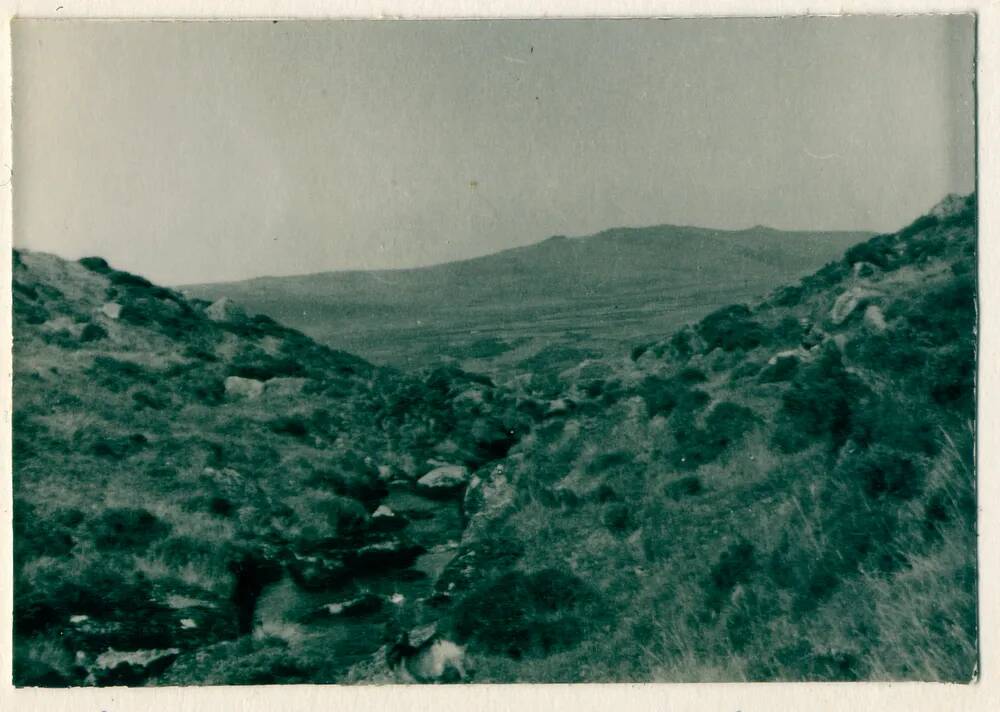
x: 781, y: 490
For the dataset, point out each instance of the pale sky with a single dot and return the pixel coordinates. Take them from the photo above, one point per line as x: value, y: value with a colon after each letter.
x: 194, y: 152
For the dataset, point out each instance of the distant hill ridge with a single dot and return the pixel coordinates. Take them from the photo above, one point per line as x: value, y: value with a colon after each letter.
x: 617, y: 284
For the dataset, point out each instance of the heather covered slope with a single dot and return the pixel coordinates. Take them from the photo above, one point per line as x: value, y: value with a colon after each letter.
x: 173, y: 460
x: 554, y: 301
x: 781, y: 490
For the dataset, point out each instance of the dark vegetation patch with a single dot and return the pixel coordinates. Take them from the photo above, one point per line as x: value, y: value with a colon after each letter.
x: 665, y: 395
x: 526, y: 615
x: 725, y: 425
x: 818, y: 404
x: 732, y: 328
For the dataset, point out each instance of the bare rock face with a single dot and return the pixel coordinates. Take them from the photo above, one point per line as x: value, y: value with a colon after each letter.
x: 849, y: 301
x: 243, y: 388
x: 225, y: 310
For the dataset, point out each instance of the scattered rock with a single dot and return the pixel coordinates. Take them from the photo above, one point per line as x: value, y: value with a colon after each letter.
x: 444, y: 480
x: 874, y: 318
x: 437, y: 661
x: 849, y: 301
x: 393, y: 553
x: 385, y: 520
x: 315, y: 573
x: 560, y: 406
x: 112, y: 658
x: 363, y: 605
x: 800, y: 354
x: 248, y: 388
x: 112, y: 310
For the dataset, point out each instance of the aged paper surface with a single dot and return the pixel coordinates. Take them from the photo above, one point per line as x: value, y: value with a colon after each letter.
x: 981, y: 695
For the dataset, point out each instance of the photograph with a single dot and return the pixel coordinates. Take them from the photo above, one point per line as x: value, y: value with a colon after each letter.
x: 374, y: 352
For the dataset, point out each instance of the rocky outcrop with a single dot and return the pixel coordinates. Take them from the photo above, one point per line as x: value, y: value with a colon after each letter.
x: 225, y: 310
x: 849, y: 301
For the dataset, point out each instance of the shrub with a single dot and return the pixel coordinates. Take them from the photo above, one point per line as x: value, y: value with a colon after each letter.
x: 733, y: 567
x: 951, y: 377
x: 147, y: 399
x: 127, y: 279
x: 691, y: 376
x: 617, y: 518
x: 882, y: 472
x: 681, y: 344
x: 31, y: 313
x: 203, y: 386
x: 520, y: 614
x: 638, y: 351
x: 261, y: 367
x: 731, y: 328
x: 684, y: 487
x: 725, y: 425
x: 783, y: 369
x: 789, y: 296
x: 486, y: 348
x: 294, y: 426
x: 877, y: 251
x: 609, y: 460
x: 818, y: 404
x: 96, y: 264
x: 127, y: 528
x: 92, y: 332
x: 663, y: 396
x: 747, y: 369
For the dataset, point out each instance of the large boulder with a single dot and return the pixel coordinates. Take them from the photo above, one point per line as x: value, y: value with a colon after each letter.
x: 443, y: 481
x: 112, y: 310
x: 438, y: 660
x: 375, y: 557
x: 238, y: 388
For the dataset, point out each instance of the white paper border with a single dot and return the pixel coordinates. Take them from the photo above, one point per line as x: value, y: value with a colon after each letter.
x: 730, y: 697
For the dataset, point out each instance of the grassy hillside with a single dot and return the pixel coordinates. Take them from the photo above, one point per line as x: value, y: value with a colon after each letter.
x: 175, y: 459
x: 782, y: 490
x: 562, y: 297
